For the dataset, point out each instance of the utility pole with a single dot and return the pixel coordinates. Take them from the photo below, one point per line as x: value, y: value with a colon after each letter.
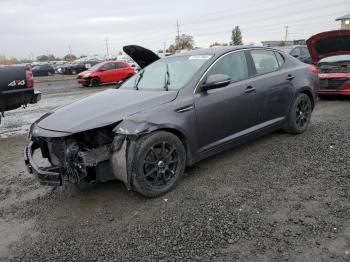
x: 107, y: 48
x: 70, y: 50
x: 178, y: 28
x: 164, y: 48
x: 286, y: 36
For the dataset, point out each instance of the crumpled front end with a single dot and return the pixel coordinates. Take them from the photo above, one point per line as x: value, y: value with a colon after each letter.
x: 92, y: 156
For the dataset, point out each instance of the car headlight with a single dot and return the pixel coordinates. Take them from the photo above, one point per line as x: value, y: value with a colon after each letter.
x: 87, y: 75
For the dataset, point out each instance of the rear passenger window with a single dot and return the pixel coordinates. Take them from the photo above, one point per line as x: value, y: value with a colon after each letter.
x: 233, y: 65
x: 109, y: 66
x: 265, y: 61
x: 120, y: 65
x: 280, y: 58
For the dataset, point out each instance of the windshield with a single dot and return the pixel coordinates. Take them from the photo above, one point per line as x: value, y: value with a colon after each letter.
x: 167, y: 74
x: 95, y: 67
x: 334, y: 59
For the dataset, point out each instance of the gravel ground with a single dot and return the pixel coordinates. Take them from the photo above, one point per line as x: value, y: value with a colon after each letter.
x: 278, y: 198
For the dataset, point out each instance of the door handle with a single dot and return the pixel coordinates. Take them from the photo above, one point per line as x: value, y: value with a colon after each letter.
x: 250, y: 89
x: 290, y: 77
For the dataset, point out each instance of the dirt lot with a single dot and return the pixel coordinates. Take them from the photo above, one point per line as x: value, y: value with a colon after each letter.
x: 279, y: 198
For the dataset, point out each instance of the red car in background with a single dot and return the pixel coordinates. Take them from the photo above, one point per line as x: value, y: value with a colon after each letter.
x: 106, y: 72
x: 330, y: 52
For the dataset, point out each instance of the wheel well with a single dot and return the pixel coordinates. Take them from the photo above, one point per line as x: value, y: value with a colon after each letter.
x: 309, y: 94
x: 183, y: 139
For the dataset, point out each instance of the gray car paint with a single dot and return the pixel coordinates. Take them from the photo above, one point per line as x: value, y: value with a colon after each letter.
x: 103, y: 109
x: 206, y: 121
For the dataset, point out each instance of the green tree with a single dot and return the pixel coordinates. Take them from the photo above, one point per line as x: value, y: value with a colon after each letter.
x: 218, y: 44
x: 69, y: 57
x: 182, y: 42
x: 51, y: 57
x: 236, y: 36
x: 42, y: 58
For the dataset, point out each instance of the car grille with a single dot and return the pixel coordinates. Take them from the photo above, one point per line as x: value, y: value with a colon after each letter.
x: 333, y: 83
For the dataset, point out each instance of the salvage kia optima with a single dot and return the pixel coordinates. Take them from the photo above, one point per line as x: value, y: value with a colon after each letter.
x: 174, y: 112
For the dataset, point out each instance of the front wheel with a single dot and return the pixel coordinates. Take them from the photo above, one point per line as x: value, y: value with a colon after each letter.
x: 299, y: 115
x: 158, y: 164
x: 95, y: 82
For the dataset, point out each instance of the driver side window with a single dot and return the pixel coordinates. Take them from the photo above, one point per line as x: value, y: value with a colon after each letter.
x: 233, y: 65
x: 108, y: 66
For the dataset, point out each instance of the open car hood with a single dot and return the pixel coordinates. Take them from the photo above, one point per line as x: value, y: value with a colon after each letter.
x: 329, y: 44
x: 142, y: 56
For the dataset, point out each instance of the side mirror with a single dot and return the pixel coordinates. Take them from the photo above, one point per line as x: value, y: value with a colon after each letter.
x: 101, y: 70
x: 216, y: 81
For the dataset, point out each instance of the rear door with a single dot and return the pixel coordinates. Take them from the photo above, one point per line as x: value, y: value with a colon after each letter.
x: 274, y: 84
x: 225, y: 112
x: 121, y: 71
x: 108, y: 73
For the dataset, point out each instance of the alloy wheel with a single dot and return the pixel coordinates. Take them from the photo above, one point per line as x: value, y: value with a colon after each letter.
x: 160, y: 164
x: 303, y: 113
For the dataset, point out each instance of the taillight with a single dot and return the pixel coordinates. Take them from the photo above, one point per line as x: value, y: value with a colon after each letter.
x: 313, y: 69
x: 29, y: 77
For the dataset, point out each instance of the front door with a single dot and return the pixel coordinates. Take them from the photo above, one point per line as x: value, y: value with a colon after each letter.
x: 108, y: 73
x: 225, y: 112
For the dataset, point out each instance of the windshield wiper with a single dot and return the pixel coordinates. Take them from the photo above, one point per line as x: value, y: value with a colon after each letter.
x: 167, y: 78
x: 138, y: 79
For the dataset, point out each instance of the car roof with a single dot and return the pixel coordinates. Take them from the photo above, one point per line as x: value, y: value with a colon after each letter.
x: 221, y: 50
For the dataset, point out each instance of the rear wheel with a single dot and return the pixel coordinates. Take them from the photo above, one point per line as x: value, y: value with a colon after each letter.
x: 158, y: 164
x: 95, y: 82
x: 299, y: 115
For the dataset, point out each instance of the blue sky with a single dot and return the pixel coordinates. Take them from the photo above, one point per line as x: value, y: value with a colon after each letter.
x: 34, y: 27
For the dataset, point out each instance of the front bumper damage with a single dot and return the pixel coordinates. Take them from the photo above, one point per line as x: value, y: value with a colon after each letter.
x: 72, y: 161
x: 49, y: 176
x: 109, y: 162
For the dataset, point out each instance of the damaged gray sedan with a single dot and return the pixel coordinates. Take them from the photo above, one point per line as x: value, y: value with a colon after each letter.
x: 173, y: 113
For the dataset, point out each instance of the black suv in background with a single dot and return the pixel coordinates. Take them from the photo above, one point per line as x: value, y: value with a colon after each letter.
x: 43, y: 70
x: 300, y: 52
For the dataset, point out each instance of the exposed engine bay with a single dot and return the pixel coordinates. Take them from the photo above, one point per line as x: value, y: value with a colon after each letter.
x: 341, y: 67
x: 91, y: 156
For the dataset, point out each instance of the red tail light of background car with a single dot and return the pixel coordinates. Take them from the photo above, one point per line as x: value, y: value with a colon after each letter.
x: 29, y: 78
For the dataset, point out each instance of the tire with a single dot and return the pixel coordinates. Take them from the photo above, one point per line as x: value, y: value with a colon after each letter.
x: 86, y: 85
x: 299, y: 115
x: 95, y: 82
x: 49, y: 73
x: 158, y: 164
